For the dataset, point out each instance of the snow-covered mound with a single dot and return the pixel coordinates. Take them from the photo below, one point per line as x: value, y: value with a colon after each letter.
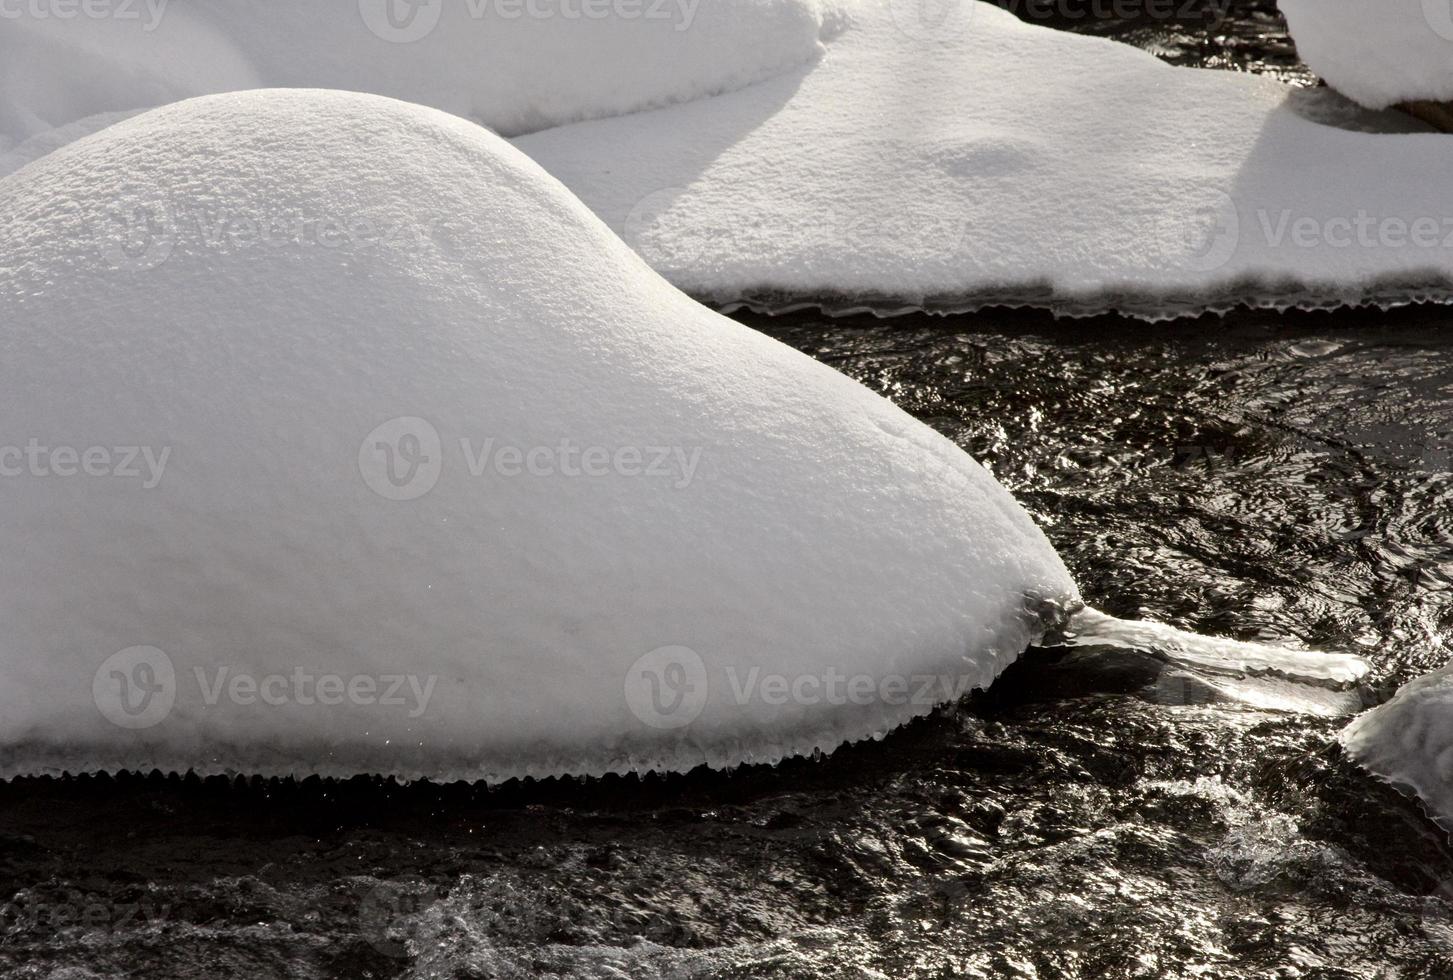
x: 1379, y: 52
x: 338, y: 437
x: 511, y: 65
x: 1409, y: 741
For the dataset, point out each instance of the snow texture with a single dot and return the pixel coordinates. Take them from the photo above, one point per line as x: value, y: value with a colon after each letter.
x: 512, y: 67
x: 50, y: 140
x: 1379, y: 52
x: 307, y: 391
x: 893, y: 155
x: 980, y: 159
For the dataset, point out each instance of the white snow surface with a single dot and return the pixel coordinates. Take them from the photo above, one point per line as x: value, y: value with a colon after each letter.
x: 50, y: 140
x: 1379, y: 52
x: 285, y: 380
x: 512, y: 65
x: 903, y: 156
x: 1408, y: 741
x: 986, y: 159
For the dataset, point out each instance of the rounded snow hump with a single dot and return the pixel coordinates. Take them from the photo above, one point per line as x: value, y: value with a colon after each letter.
x: 340, y: 438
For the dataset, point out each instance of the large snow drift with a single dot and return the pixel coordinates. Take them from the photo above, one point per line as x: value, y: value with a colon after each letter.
x: 940, y: 155
x: 1378, y: 52
x: 983, y: 159
x: 512, y: 65
x: 338, y: 437
x: 1409, y: 741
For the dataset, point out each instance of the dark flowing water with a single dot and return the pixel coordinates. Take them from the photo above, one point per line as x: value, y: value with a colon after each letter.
x: 1240, y: 35
x: 1094, y: 815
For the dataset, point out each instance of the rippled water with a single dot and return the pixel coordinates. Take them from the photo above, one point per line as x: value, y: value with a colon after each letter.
x: 1094, y: 815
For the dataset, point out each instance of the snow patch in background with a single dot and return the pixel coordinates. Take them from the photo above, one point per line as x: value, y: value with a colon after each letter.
x: 507, y: 65
x: 940, y: 157
x: 993, y: 162
x: 50, y: 140
x: 300, y: 369
x: 1379, y: 52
